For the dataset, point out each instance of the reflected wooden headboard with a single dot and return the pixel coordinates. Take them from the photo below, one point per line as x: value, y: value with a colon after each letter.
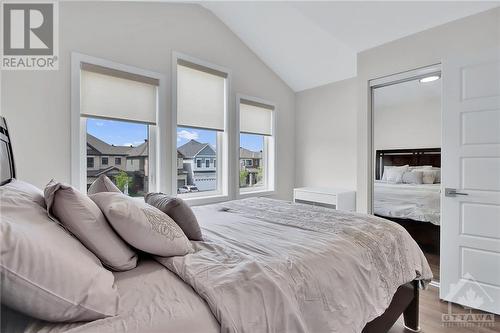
x: 412, y: 157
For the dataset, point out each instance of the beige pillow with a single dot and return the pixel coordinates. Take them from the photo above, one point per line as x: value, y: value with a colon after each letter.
x: 102, y: 184
x: 179, y: 211
x: 81, y: 216
x: 47, y: 273
x: 142, y: 226
x: 26, y: 189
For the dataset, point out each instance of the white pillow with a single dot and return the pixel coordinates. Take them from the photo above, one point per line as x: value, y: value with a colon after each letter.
x: 387, y: 168
x: 413, y: 177
x: 436, y: 174
x: 395, y: 174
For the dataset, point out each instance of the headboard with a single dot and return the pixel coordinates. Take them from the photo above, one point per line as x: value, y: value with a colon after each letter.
x: 412, y: 157
x: 7, y: 169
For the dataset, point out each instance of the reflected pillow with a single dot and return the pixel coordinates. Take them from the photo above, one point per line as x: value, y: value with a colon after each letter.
x: 179, y: 211
x: 46, y: 273
x: 81, y: 216
x: 395, y: 174
x: 142, y: 226
x: 415, y: 177
x: 102, y: 184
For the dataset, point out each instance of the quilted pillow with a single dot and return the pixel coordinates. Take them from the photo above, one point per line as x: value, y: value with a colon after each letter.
x: 46, y: 273
x: 143, y: 226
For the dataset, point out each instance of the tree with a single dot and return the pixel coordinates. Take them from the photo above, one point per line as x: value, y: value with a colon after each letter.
x: 122, y: 179
x: 243, y: 178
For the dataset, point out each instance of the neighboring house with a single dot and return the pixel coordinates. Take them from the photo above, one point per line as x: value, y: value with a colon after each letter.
x: 110, y: 160
x: 250, y: 167
x: 199, y: 165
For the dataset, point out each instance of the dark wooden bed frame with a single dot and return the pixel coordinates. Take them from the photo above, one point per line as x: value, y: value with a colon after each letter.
x: 405, y: 300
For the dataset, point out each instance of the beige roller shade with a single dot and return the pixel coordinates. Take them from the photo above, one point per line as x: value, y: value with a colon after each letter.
x: 109, y: 93
x: 256, y: 118
x: 201, y: 97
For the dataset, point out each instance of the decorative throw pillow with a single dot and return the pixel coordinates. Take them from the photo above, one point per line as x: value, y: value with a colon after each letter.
x: 47, y: 273
x: 102, y: 184
x: 395, y: 174
x: 26, y: 189
x: 415, y: 177
x: 143, y: 226
x: 81, y: 216
x: 430, y: 173
x: 179, y: 211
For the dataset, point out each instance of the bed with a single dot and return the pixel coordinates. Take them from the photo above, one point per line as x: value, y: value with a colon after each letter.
x: 265, y: 266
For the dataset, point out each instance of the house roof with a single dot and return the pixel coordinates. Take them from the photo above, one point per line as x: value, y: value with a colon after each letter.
x: 105, y: 148
x: 108, y: 170
x: 193, y: 148
x: 245, y: 153
x: 139, y: 151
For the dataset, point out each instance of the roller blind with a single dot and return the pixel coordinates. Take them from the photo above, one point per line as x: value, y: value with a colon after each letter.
x: 201, y: 97
x: 109, y: 93
x: 256, y: 118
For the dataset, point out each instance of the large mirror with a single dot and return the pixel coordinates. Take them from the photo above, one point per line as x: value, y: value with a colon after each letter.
x: 407, y: 158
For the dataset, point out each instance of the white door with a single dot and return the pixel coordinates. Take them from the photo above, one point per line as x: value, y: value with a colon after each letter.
x: 470, y: 228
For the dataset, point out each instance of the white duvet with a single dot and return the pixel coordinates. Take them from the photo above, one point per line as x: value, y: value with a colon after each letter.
x: 408, y: 201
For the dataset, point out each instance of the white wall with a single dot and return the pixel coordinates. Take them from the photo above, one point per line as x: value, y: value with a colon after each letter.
x: 461, y: 37
x: 37, y: 103
x: 407, y: 125
x: 326, y: 136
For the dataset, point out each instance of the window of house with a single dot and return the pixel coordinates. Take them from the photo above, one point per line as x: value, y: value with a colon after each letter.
x: 201, y: 129
x: 256, y: 167
x: 120, y: 111
x: 90, y: 162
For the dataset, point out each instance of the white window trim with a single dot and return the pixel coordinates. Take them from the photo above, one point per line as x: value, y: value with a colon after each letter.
x: 270, y: 148
x: 224, y: 183
x: 157, y: 134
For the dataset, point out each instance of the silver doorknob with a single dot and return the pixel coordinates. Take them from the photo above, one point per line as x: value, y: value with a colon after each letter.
x: 452, y: 192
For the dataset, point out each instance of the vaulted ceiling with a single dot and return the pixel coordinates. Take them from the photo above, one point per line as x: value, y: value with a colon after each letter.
x: 309, y: 44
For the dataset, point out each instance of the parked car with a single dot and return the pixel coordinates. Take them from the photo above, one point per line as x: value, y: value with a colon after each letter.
x: 187, y: 189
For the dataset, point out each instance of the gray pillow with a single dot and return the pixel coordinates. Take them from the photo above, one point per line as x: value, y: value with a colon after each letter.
x: 143, y: 226
x: 26, y: 189
x: 81, y: 216
x: 179, y: 211
x: 414, y: 177
x: 102, y: 184
x: 46, y: 273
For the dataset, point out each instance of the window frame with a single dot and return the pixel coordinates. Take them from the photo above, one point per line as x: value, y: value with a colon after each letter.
x: 269, y: 159
x: 104, y: 158
x: 90, y: 159
x: 119, y: 159
x: 223, y: 168
x: 156, y: 133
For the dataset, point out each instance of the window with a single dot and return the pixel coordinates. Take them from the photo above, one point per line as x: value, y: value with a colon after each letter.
x: 256, y: 167
x: 201, y: 129
x: 120, y: 108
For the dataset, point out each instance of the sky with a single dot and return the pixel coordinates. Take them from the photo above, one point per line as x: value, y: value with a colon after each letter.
x: 122, y: 133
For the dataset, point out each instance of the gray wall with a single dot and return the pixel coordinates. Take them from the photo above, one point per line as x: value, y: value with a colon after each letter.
x: 326, y: 136
x: 37, y: 103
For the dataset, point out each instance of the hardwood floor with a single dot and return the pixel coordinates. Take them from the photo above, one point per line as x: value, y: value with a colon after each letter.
x: 433, y: 260
x: 431, y: 309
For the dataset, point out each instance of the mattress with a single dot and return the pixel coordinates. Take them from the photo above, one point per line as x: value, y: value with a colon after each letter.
x: 408, y: 201
x: 152, y: 300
